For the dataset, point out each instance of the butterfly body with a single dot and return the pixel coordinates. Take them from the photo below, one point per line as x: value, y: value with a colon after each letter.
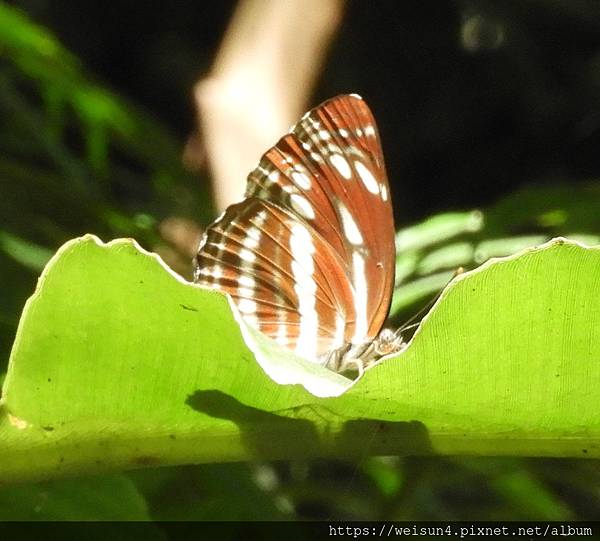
x: 308, y: 256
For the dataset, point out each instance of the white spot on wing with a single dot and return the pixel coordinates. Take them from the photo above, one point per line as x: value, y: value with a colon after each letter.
x: 247, y: 255
x: 245, y: 292
x: 253, y: 233
x: 273, y: 176
x: 349, y: 225
x: 246, y: 281
x: 252, y: 320
x: 302, y: 247
x: 302, y: 180
x: 251, y: 239
x: 367, y: 177
x: 246, y: 306
x: 324, y: 135
x: 314, y: 123
x: 281, y: 336
x: 342, y: 165
x: 302, y: 206
x: 303, y: 266
x: 369, y: 130
x: 384, y: 194
x: 359, y: 281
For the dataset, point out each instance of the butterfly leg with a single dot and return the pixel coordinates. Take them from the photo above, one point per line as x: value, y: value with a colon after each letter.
x: 356, y: 365
x: 334, y: 359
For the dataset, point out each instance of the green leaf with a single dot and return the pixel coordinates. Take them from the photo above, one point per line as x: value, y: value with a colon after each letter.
x: 437, y: 229
x: 223, y: 492
x: 119, y: 363
x: 28, y: 254
x: 111, y: 497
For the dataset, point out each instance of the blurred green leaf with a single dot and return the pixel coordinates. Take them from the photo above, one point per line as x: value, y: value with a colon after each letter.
x: 28, y: 254
x: 524, y: 491
x: 505, y: 246
x: 438, y: 229
x: 208, y: 492
x: 384, y: 472
x: 75, y: 157
x: 551, y: 210
x: 555, y: 208
x: 111, y: 497
x: 106, y: 122
x: 414, y: 290
x: 452, y: 255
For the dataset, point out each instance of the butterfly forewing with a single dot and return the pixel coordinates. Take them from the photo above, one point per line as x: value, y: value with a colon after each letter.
x: 308, y: 256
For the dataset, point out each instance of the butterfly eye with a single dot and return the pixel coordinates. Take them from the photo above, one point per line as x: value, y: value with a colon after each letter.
x: 308, y: 255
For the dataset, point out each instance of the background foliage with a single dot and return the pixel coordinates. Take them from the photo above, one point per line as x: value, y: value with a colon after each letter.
x: 480, y: 105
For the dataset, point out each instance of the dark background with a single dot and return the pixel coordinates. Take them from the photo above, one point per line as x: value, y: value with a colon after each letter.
x: 475, y: 101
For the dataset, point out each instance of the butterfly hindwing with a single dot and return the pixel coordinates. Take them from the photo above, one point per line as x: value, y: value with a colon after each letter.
x: 284, y: 279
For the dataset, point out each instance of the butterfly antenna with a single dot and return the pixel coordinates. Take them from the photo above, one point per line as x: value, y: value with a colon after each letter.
x: 408, y: 324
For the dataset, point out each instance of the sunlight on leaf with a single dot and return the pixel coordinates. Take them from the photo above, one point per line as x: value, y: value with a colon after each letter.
x: 118, y: 362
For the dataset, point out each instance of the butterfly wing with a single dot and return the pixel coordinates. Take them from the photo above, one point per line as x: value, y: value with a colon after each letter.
x: 326, y: 182
x: 329, y: 172
x: 285, y: 279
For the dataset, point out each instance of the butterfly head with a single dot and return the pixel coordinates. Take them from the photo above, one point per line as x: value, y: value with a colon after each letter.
x: 388, y: 342
x: 358, y: 357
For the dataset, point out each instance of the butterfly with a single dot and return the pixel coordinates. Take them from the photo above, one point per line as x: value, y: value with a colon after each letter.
x: 308, y: 256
